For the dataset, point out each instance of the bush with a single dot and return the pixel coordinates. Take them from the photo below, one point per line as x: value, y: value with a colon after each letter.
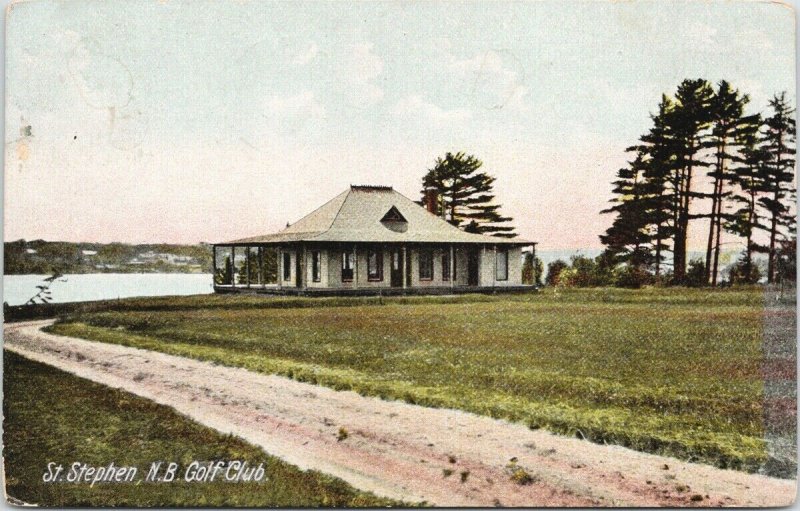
x: 532, y: 270
x: 738, y: 273
x: 583, y: 272
x: 633, y: 277
x: 696, y: 274
x: 554, y: 270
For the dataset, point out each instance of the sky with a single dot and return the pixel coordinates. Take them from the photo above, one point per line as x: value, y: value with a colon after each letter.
x: 208, y: 120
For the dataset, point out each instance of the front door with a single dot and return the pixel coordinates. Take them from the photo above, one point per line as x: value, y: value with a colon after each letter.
x: 300, y: 266
x: 472, y: 268
x: 397, y: 268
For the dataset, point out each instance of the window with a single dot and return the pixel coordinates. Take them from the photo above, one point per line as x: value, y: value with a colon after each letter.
x: 316, y: 266
x: 287, y: 266
x: 446, y: 265
x: 347, y: 266
x: 270, y: 260
x: 375, y: 265
x: 223, y: 271
x: 502, y: 265
x: 425, y: 265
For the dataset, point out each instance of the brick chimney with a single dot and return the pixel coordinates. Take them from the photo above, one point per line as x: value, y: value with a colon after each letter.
x: 431, y: 199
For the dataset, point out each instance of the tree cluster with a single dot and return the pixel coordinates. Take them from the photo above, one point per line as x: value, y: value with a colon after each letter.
x: 704, y: 148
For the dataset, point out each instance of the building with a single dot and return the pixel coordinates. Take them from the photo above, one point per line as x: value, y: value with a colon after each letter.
x: 369, y: 240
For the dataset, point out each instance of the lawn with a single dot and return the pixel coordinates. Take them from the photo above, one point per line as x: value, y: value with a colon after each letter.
x: 53, y: 416
x: 671, y: 371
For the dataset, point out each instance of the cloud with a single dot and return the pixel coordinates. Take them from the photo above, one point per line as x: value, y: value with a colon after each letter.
x: 307, y: 55
x: 754, y: 38
x: 300, y: 107
x: 415, y: 108
x: 102, y: 81
x: 495, y: 78
x: 359, y: 70
x: 700, y: 34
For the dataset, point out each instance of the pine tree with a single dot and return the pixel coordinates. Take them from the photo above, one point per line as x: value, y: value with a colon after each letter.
x: 689, y: 122
x: 465, y: 195
x: 626, y: 240
x: 778, y: 176
x: 660, y: 190
x: 746, y: 175
x: 727, y: 109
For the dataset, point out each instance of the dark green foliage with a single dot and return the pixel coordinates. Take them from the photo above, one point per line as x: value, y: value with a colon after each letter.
x: 532, y: 270
x: 750, y: 178
x: 633, y: 277
x: 743, y: 271
x: 465, y: 195
x: 778, y: 176
x: 224, y: 275
x: 786, y: 261
x: 585, y: 272
x: 554, y: 270
x: 695, y: 274
x: 50, y: 415
x: 688, y: 122
x: 729, y: 128
x: 628, y: 235
x: 747, y: 178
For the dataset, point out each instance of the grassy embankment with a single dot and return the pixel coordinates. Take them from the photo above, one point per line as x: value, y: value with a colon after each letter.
x: 54, y: 416
x: 672, y: 371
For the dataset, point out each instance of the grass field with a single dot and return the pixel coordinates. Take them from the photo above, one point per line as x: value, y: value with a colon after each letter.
x: 53, y: 416
x: 672, y: 371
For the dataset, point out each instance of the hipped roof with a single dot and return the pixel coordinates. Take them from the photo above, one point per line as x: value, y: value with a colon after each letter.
x: 355, y: 216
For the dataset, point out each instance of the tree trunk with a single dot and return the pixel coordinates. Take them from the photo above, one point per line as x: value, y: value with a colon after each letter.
x: 750, y: 226
x: 658, y: 249
x: 773, y: 231
x: 719, y: 232
x: 712, y: 223
x: 683, y: 229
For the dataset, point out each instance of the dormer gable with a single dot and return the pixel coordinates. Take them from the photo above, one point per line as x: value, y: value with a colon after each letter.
x: 393, y: 215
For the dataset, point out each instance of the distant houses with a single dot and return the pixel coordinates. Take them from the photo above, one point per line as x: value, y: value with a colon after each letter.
x: 151, y: 257
x: 40, y: 257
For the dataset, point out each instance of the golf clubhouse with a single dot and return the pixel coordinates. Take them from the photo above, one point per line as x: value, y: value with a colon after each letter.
x: 370, y: 240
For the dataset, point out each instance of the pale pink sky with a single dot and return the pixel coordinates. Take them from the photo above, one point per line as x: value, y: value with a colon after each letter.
x: 210, y: 120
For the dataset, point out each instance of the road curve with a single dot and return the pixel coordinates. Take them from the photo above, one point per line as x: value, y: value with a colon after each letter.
x: 398, y: 450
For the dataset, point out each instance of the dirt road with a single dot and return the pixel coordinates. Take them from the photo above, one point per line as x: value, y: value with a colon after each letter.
x: 398, y: 450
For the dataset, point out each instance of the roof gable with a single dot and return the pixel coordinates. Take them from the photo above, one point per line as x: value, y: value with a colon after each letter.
x: 393, y: 215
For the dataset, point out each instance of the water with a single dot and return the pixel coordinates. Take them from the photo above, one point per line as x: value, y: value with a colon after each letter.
x: 18, y: 289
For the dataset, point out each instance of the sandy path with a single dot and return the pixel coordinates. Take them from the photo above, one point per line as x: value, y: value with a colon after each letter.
x: 396, y: 449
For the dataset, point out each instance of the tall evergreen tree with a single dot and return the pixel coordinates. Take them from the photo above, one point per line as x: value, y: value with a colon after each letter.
x: 465, y: 195
x: 689, y: 123
x: 746, y: 175
x: 778, y: 176
x: 727, y: 112
x: 660, y: 191
x: 627, y: 238
x: 750, y: 177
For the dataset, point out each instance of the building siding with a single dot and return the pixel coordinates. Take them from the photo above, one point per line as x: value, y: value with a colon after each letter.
x: 331, y: 267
